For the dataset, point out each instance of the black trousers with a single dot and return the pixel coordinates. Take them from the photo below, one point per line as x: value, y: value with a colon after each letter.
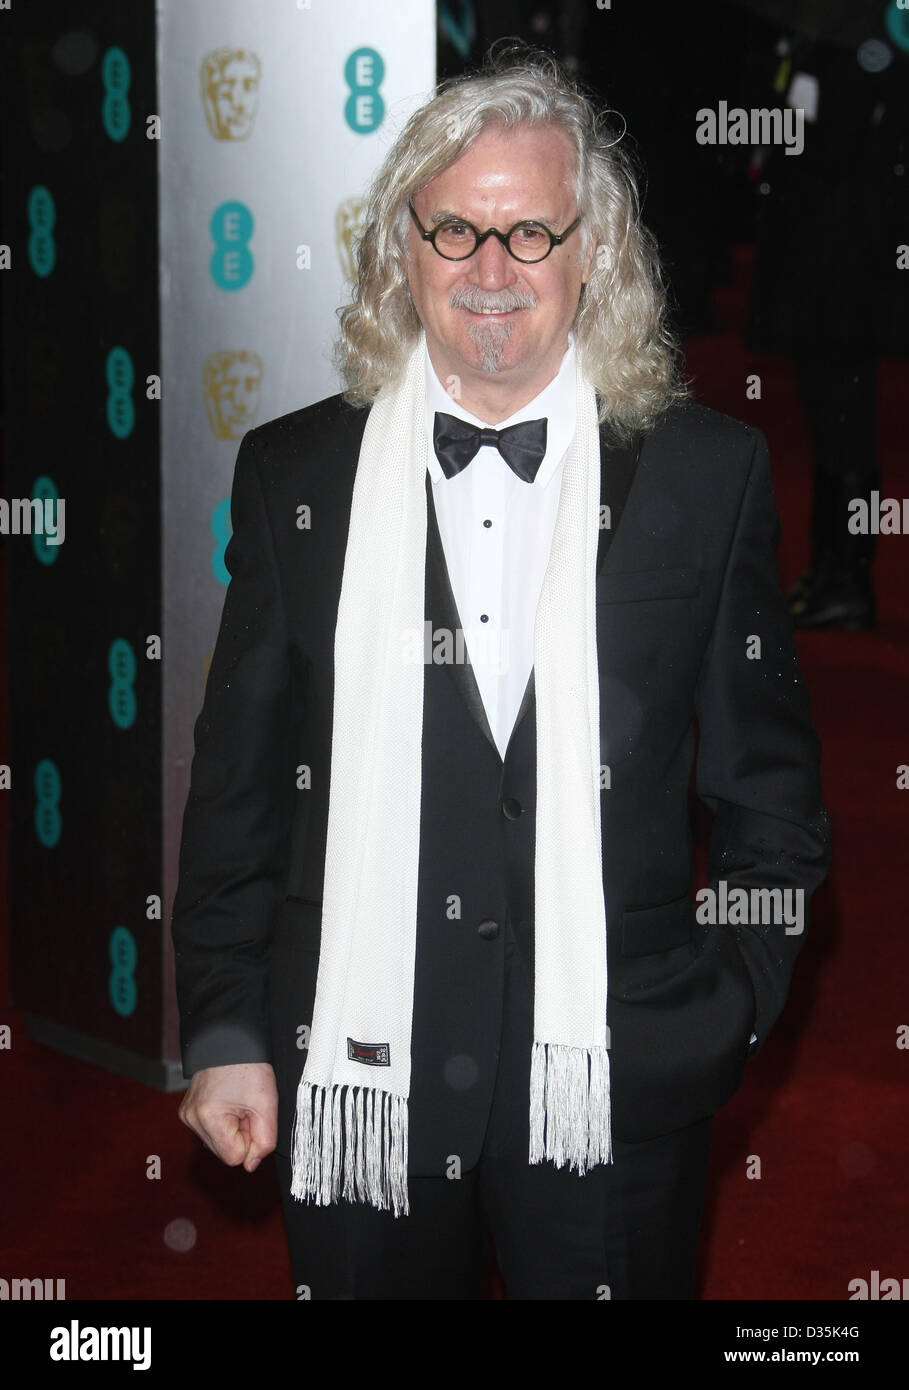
x: 626, y: 1230
x: 839, y: 404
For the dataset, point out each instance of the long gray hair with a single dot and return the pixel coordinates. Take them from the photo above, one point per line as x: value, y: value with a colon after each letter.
x: 625, y: 345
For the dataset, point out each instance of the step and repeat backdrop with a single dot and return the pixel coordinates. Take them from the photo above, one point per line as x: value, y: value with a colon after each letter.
x: 182, y: 196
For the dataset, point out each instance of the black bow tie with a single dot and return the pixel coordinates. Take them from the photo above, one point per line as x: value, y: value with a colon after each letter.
x: 521, y: 446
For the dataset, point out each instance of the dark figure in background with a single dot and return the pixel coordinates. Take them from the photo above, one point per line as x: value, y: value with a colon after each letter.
x: 658, y: 70
x: 827, y: 290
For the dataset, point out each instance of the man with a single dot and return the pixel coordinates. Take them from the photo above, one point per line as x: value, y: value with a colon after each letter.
x: 434, y: 932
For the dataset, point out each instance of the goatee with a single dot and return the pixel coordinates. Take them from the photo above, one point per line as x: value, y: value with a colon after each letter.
x: 491, y: 335
x: 490, y: 339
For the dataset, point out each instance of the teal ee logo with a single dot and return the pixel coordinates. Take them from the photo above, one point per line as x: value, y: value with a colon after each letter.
x: 47, y: 803
x: 222, y: 531
x: 364, y: 108
x: 115, y: 112
x: 121, y: 694
x: 121, y: 983
x: 45, y: 490
x: 232, y: 263
x: 896, y: 23
x: 121, y: 413
x: 42, y: 214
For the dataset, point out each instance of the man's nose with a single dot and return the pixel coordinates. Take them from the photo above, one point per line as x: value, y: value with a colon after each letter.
x: 493, y: 267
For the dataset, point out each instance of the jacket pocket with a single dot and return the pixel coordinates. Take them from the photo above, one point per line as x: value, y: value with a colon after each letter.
x: 647, y: 930
x: 636, y: 585
x: 299, y: 924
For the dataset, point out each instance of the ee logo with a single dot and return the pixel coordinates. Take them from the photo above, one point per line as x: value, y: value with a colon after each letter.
x: 364, y: 108
x: 121, y: 413
x: 121, y: 983
x: 121, y: 694
x: 45, y: 490
x: 222, y: 531
x: 897, y: 23
x: 47, y: 803
x: 231, y: 227
x: 42, y: 214
x: 115, y: 112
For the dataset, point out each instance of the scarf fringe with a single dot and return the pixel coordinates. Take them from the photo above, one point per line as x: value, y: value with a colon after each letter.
x: 367, y: 1153
x: 570, y: 1110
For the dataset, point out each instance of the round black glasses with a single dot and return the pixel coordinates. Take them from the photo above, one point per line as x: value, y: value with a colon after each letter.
x: 456, y: 239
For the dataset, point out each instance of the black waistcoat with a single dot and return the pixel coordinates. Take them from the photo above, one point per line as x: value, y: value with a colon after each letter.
x: 475, y: 891
x: 474, y: 899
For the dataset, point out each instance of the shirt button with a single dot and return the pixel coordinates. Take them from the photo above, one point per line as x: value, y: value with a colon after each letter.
x: 484, y: 617
x: 512, y: 808
x: 488, y: 929
x: 487, y: 523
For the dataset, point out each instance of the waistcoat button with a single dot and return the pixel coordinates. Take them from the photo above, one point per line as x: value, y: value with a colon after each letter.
x: 488, y: 929
x: 511, y: 808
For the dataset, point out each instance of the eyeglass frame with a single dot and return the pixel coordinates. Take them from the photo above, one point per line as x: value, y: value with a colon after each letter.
x: 555, y: 238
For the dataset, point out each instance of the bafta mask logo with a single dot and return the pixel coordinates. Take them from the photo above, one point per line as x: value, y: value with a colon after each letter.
x: 348, y: 226
x: 231, y: 382
x: 230, y: 92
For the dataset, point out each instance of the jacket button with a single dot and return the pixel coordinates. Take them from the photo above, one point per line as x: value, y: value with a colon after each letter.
x: 489, y: 929
x: 511, y: 808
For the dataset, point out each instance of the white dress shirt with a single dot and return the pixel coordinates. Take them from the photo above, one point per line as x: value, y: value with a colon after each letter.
x: 496, y: 532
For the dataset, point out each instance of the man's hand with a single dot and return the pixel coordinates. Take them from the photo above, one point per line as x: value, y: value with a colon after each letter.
x: 234, y: 1111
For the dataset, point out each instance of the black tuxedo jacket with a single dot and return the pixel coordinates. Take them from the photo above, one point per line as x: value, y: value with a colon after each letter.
x: 686, y: 583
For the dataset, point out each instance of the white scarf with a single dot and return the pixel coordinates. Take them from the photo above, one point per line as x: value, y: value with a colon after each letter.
x: 350, y: 1129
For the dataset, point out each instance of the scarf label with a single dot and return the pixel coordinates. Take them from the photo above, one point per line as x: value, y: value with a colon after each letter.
x: 371, y: 1054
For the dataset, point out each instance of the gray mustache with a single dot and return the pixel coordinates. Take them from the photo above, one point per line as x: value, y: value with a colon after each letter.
x: 501, y: 302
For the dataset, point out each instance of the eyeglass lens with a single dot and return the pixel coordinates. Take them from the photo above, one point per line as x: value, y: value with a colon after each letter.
x: 527, y: 241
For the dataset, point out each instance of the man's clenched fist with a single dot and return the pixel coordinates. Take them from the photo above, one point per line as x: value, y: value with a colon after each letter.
x: 234, y: 1111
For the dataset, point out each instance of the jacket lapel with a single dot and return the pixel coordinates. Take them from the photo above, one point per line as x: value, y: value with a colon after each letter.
x: 618, y: 463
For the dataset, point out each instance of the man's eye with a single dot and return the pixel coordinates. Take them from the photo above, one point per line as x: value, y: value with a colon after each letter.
x: 456, y: 229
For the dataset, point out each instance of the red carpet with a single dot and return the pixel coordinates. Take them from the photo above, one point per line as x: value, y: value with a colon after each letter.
x: 823, y: 1107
